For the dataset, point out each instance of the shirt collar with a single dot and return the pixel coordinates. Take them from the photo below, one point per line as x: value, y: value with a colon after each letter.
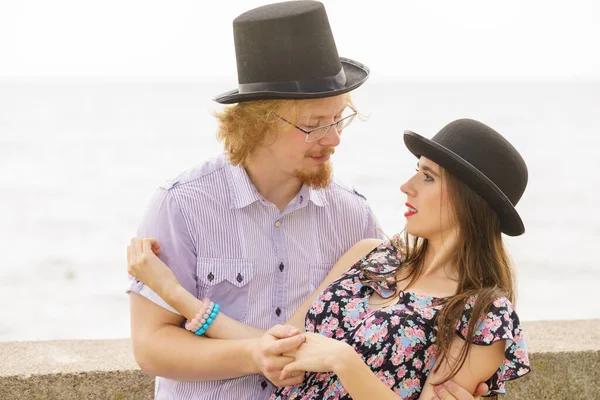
x: 243, y: 192
x: 316, y: 196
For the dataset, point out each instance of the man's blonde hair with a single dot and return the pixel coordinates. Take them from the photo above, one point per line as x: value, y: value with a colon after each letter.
x: 243, y: 126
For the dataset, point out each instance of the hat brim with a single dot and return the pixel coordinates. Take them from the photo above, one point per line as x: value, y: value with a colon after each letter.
x: 510, y: 221
x: 356, y: 75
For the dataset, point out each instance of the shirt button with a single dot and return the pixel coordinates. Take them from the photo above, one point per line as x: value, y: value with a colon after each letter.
x: 210, y: 277
x: 239, y: 277
x: 301, y: 199
x: 263, y: 385
x: 281, y: 267
x: 278, y: 311
x: 277, y: 224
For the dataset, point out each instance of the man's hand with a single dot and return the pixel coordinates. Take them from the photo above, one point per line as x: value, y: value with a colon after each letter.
x: 451, y: 391
x: 268, y: 355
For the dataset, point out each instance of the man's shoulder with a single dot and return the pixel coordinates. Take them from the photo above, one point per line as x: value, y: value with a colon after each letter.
x: 198, y: 175
x: 339, y: 194
x: 338, y: 191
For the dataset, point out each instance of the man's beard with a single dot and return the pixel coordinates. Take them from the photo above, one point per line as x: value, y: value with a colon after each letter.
x: 318, y: 179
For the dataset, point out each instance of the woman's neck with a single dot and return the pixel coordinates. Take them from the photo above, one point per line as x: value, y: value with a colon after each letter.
x: 440, y: 255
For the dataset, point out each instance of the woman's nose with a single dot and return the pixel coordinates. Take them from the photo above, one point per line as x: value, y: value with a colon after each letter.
x: 407, y: 188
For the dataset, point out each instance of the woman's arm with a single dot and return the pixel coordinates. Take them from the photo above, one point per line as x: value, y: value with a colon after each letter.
x: 479, y: 366
x: 323, y: 354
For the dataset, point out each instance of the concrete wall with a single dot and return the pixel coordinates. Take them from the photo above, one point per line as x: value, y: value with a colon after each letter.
x: 565, y: 357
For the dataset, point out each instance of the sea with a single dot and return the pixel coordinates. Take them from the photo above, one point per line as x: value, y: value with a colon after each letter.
x: 80, y: 159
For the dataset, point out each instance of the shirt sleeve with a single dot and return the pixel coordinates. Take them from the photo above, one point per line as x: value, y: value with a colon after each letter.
x: 499, y: 323
x: 372, y: 228
x: 164, y: 221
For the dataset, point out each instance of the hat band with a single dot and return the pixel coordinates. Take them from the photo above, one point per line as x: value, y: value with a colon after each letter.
x: 315, y: 85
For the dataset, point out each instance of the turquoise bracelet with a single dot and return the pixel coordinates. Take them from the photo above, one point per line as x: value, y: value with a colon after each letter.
x: 209, y: 321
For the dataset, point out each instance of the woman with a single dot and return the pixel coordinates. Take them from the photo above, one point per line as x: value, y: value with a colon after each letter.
x: 396, y: 318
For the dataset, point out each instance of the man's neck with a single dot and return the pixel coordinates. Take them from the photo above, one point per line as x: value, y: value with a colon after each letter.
x: 278, y: 187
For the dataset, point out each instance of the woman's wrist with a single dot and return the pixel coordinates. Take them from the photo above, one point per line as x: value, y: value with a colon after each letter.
x: 344, y: 360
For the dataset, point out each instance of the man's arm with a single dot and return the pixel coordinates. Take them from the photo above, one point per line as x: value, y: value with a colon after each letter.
x: 161, y: 346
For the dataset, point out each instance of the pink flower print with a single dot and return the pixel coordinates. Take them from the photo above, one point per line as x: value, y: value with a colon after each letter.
x: 496, y: 323
x: 520, y: 354
x: 486, y: 331
x: 427, y: 313
x: 395, y: 320
x: 412, y: 383
x: 408, y: 352
x: 335, y: 308
x: 417, y: 363
x: 324, y: 296
x: 375, y: 361
x: 339, y: 333
x: 347, y: 284
x: 431, y: 354
x: 500, y: 302
x: 386, y: 378
x: 401, y: 372
x: 419, y: 333
x: 319, y: 306
x: 398, y: 358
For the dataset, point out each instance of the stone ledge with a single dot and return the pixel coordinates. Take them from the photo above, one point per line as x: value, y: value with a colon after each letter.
x: 565, y: 357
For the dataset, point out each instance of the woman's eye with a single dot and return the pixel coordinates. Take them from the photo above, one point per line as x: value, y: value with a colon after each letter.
x: 428, y: 178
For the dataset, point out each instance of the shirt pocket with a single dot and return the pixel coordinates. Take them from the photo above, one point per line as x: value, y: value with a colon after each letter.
x: 318, y: 272
x: 226, y: 282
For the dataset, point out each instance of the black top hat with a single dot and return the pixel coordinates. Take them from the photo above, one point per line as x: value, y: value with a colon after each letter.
x: 287, y: 51
x: 484, y: 160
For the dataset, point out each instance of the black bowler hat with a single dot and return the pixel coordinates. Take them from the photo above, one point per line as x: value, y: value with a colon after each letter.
x: 287, y: 51
x: 484, y: 160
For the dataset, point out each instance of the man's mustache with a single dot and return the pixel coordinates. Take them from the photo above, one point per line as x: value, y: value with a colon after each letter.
x: 323, y: 153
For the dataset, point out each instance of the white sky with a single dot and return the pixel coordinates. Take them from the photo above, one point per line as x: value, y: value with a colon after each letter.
x: 184, y: 38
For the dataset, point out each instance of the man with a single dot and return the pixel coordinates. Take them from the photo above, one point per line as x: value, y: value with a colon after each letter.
x: 256, y: 230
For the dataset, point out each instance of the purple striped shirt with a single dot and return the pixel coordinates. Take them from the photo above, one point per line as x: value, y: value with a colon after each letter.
x: 224, y: 241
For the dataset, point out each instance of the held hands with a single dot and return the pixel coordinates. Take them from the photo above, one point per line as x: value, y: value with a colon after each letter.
x: 317, y: 354
x: 144, y: 265
x: 269, y: 356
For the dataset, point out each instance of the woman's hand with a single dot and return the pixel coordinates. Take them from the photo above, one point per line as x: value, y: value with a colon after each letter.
x: 144, y: 265
x: 317, y: 354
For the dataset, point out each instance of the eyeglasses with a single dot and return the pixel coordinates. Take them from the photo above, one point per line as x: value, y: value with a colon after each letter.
x: 318, y: 133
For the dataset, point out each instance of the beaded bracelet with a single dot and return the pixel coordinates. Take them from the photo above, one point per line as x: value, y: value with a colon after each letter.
x: 195, y: 323
x: 211, y: 314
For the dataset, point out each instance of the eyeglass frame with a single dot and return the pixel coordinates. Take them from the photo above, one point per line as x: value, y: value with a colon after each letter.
x: 328, y: 126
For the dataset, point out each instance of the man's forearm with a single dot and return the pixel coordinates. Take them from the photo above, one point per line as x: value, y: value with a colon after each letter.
x: 174, y: 353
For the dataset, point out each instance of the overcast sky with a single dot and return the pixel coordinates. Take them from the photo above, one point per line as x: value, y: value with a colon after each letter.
x: 184, y: 38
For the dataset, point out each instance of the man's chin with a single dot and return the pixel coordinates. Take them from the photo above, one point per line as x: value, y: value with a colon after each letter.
x: 316, y: 179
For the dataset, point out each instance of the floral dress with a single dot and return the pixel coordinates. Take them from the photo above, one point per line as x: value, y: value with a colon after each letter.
x: 398, y: 341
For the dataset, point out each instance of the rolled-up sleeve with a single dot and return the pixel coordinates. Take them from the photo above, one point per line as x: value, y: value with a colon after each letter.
x: 164, y: 221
